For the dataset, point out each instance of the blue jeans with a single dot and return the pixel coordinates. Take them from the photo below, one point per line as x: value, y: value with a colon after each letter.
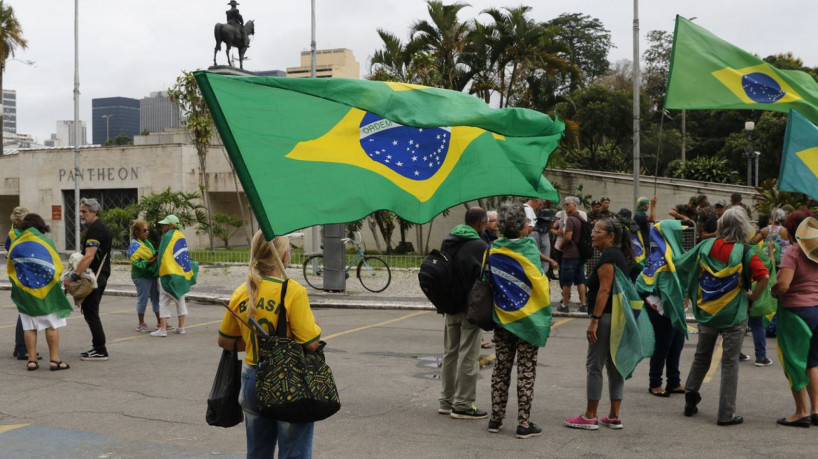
x: 669, y: 345
x: 146, y: 288
x: 294, y: 440
x: 759, y: 338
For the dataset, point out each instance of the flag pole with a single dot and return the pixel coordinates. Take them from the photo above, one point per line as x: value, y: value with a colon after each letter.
x: 636, y: 84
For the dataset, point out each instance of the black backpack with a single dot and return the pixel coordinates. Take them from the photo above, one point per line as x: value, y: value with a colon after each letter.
x: 437, y: 279
x: 586, y: 250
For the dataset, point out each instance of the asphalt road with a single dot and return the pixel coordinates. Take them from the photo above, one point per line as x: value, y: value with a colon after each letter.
x: 149, y: 399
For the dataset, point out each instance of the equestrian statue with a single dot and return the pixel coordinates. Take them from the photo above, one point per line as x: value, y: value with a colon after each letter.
x: 234, y: 34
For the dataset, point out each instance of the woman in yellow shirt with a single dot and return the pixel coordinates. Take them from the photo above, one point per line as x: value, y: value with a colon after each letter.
x: 260, y: 298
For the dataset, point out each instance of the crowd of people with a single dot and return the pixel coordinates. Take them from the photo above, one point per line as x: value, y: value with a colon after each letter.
x: 733, y: 276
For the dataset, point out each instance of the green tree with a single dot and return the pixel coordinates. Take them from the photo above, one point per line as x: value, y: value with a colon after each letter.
x: 589, y: 43
x: 444, y: 39
x: 225, y: 226
x: 657, y: 65
x: 705, y: 169
x: 120, y: 139
x: 11, y: 38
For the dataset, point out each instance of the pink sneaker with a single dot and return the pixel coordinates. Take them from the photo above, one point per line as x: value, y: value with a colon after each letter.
x: 581, y: 422
x: 612, y: 423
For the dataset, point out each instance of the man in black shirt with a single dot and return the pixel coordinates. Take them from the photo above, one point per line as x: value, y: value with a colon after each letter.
x: 96, y: 248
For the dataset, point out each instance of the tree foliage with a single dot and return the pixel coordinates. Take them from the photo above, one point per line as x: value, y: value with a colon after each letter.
x: 588, y: 42
x: 11, y: 38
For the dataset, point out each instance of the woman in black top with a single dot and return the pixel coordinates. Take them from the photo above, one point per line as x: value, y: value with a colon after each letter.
x: 611, y: 238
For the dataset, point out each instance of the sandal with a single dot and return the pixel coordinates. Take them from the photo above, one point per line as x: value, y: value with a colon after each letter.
x: 33, y: 367
x: 663, y: 392
x: 59, y: 365
x: 678, y: 390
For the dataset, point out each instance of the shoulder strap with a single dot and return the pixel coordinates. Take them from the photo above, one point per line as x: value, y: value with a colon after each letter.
x: 281, y: 327
x: 99, y: 268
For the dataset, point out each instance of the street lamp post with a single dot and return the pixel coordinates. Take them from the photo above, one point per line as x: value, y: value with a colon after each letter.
x: 748, y: 150
x: 757, y: 155
x: 107, y: 127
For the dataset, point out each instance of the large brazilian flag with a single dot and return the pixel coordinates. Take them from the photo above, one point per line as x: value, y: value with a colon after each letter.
x: 521, y: 291
x: 707, y: 72
x: 320, y: 151
x: 34, y: 268
x: 632, y: 337
x: 177, y: 272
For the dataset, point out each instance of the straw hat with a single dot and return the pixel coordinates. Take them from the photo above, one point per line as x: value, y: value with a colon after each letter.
x: 807, y: 236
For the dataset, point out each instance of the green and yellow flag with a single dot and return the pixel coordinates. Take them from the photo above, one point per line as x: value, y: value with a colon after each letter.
x: 177, y: 272
x: 34, y: 268
x: 320, y: 151
x: 706, y: 72
x: 794, y: 337
x: 521, y: 291
x: 632, y: 336
x: 799, y: 161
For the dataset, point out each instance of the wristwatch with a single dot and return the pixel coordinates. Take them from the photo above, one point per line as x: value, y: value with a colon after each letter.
x: 594, y: 317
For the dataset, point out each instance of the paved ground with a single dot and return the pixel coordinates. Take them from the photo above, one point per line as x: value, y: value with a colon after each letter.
x: 149, y: 399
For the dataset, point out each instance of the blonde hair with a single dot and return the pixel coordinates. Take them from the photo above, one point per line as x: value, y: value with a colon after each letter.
x: 263, y: 263
x: 18, y: 214
x: 135, y: 227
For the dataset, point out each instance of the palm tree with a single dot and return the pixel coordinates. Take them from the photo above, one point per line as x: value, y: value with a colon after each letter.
x: 11, y: 37
x: 393, y: 60
x: 444, y: 38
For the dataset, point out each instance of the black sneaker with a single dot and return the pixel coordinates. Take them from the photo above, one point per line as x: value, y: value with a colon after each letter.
x: 527, y: 432
x: 471, y: 413
x: 583, y: 309
x: 94, y: 355
x: 692, y: 399
x: 743, y: 357
x: 562, y: 308
x: 85, y: 354
x: 763, y: 362
x: 495, y: 426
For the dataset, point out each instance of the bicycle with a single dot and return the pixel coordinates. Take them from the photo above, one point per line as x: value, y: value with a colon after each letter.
x: 373, y: 272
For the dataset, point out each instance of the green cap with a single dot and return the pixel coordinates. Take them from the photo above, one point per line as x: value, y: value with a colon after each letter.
x: 170, y: 220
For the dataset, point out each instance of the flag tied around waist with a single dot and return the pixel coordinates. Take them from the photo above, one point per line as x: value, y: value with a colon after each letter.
x: 177, y: 272
x: 34, y: 268
x: 659, y: 276
x: 799, y: 161
x: 521, y: 291
x: 632, y: 337
x: 794, y: 336
x: 332, y: 150
x: 706, y: 72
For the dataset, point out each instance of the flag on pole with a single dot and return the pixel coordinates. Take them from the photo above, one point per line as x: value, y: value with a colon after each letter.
x: 321, y: 151
x: 799, y: 161
x: 632, y: 337
x: 707, y: 72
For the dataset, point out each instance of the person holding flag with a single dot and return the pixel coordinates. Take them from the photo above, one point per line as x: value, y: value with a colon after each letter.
x: 522, y: 314
x: 717, y: 274
x: 144, y: 271
x: 617, y: 338
x: 177, y: 272
x: 34, y: 268
x: 797, y: 328
x: 17, y: 216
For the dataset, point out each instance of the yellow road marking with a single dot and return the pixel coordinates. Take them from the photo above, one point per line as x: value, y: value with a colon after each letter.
x: 490, y: 358
x: 7, y: 428
x: 714, y: 364
x: 408, y: 316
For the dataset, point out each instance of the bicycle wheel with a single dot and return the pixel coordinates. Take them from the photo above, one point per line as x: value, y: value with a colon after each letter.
x: 314, y: 271
x: 374, y: 274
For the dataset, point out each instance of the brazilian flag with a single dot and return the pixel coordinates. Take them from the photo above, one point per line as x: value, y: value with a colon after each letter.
x: 794, y: 337
x: 34, y: 268
x: 632, y: 337
x: 177, y: 272
x: 659, y: 277
x: 799, y: 161
x: 706, y: 72
x: 521, y: 291
x: 333, y: 150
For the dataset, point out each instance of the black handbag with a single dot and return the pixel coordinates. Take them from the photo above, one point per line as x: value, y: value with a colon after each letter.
x: 223, y: 409
x: 293, y: 385
x: 481, y: 302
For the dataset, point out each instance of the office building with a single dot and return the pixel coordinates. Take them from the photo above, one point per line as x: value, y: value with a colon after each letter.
x: 64, y: 137
x: 157, y: 112
x: 9, y: 110
x: 329, y: 63
x: 113, y: 116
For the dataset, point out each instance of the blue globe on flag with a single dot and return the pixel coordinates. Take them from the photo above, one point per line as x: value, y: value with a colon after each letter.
x: 762, y: 88
x: 33, y: 264
x: 182, y: 255
x: 512, y: 288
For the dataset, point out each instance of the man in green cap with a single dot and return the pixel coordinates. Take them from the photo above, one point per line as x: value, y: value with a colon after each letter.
x: 177, y: 272
x: 686, y: 212
x: 644, y: 215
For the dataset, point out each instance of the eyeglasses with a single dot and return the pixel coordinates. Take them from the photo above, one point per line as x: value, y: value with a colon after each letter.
x: 597, y: 231
x: 144, y: 230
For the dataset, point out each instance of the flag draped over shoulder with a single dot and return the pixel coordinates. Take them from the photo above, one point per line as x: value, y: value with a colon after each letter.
x: 34, y: 268
x: 794, y: 337
x: 319, y: 151
x: 765, y: 303
x: 177, y: 272
x: 706, y: 72
x: 522, y: 296
x: 799, y: 161
x: 632, y: 337
x: 659, y: 277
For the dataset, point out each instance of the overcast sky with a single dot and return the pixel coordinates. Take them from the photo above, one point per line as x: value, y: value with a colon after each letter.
x: 133, y: 47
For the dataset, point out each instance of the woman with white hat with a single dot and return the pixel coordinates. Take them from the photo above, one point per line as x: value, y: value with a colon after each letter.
x: 797, y: 290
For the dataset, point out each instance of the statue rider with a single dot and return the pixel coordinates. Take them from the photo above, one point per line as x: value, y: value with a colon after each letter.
x: 234, y: 18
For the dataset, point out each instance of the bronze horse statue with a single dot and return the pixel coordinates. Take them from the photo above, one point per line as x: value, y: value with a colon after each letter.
x: 232, y: 38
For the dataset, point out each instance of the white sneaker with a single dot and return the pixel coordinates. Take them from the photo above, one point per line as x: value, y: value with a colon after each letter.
x: 180, y: 331
x: 160, y: 333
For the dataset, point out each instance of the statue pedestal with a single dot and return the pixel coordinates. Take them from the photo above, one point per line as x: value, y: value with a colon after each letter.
x: 228, y: 70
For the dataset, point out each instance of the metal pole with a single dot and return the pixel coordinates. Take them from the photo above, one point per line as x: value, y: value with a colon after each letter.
x: 312, y: 75
x: 76, y: 127
x: 636, y: 85
x: 684, y: 137
x: 757, y: 155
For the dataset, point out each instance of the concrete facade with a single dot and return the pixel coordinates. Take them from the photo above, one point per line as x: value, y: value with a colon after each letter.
x: 329, y: 63
x: 157, y: 112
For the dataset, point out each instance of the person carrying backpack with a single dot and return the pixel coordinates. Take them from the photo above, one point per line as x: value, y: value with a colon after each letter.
x: 461, y: 339
x: 572, y: 269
